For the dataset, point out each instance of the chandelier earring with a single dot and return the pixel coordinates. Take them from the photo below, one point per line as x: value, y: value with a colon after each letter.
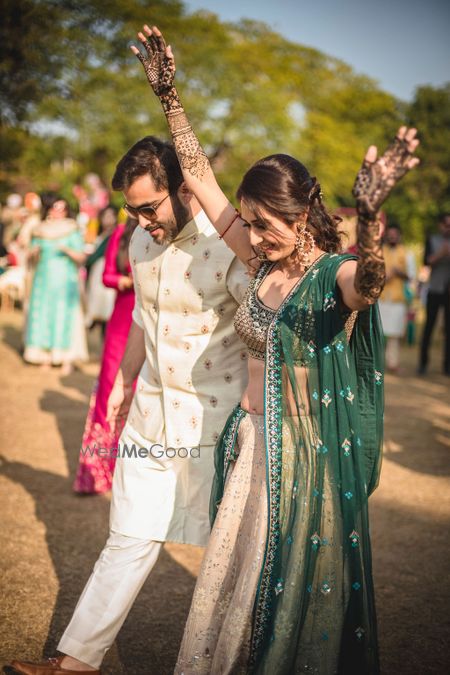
x: 304, y: 245
x: 261, y: 255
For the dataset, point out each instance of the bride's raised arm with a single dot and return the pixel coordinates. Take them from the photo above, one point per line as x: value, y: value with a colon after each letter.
x: 159, y: 66
x: 361, y: 282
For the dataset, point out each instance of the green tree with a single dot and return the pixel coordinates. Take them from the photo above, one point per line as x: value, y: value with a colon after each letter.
x: 52, y: 52
x: 248, y: 91
x: 425, y: 193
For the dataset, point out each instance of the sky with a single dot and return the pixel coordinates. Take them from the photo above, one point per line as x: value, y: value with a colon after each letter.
x: 400, y: 43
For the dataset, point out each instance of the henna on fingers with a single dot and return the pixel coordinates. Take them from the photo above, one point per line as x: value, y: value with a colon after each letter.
x: 376, y: 179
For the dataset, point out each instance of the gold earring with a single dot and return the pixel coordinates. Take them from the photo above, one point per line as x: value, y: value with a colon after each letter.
x: 304, y: 245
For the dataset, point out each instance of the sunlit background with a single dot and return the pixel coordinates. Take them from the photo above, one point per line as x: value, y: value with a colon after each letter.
x: 318, y: 79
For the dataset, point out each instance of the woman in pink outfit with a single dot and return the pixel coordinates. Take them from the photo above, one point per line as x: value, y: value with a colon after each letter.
x: 95, y: 470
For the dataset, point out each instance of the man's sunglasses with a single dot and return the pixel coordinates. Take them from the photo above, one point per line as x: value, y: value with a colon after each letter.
x: 149, y: 212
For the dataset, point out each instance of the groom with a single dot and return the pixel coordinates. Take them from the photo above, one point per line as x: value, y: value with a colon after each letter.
x: 190, y: 369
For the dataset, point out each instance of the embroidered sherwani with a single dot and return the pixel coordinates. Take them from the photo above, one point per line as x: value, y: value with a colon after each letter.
x: 194, y: 373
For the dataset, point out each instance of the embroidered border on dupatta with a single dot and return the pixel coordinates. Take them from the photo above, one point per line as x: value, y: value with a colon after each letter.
x: 273, y: 410
x: 229, y: 438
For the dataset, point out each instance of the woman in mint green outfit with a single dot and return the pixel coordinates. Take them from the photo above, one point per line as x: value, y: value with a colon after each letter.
x: 54, y: 333
x: 286, y: 585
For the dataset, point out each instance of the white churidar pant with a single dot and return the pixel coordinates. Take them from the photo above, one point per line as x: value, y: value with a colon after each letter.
x: 117, y: 577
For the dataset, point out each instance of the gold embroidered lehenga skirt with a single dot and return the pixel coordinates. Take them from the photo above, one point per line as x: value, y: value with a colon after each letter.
x: 218, y: 630
x: 286, y: 582
x: 218, y: 633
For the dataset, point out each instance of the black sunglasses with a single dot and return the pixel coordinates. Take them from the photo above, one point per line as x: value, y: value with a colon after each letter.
x: 149, y: 212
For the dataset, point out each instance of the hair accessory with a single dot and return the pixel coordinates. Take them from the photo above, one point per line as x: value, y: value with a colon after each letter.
x: 315, y: 192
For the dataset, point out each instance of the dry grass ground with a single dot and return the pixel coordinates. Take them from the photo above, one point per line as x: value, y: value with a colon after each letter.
x: 51, y: 537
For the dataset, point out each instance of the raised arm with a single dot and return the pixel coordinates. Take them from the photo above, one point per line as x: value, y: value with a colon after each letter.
x: 159, y: 66
x: 361, y: 282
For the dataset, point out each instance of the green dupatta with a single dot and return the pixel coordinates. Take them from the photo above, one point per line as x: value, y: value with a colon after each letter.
x: 314, y: 611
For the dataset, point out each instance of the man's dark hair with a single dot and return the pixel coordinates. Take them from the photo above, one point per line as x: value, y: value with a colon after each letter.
x: 149, y: 156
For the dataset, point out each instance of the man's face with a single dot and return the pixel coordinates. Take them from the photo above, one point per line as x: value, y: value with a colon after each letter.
x: 171, y: 214
x: 392, y: 236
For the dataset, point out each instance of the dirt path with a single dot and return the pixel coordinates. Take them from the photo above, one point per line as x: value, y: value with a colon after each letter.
x: 51, y: 538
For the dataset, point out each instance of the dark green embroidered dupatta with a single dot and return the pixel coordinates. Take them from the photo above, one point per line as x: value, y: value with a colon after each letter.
x: 324, y: 404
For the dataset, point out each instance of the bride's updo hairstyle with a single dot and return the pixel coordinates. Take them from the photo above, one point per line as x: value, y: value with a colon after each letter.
x: 282, y: 186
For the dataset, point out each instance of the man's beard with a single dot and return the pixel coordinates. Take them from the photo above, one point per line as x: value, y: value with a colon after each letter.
x: 173, y: 226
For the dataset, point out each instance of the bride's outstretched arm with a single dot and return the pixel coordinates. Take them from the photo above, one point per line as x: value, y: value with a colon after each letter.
x: 159, y: 66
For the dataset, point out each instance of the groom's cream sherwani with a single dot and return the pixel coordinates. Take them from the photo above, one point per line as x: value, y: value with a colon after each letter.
x: 194, y: 373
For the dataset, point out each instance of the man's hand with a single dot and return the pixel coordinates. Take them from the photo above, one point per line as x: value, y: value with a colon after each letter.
x: 119, y: 403
x: 159, y: 64
x: 377, y: 177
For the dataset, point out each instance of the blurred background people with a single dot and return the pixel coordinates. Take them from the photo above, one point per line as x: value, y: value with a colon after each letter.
x: 12, y: 276
x: 13, y: 255
x: 33, y: 206
x: 100, y: 298
x: 3, y: 250
x: 393, y: 300
x: 437, y: 257
x: 92, y: 197
x: 13, y: 216
x: 95, y: 471
x: 32, y: 218
x: 411, y: 295
x: 55, y: 329
x: 347, y: 227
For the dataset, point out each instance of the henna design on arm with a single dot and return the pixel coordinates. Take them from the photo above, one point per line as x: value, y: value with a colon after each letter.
x: 159, y: 66
x: 190, y: 153
x: 370, y: 275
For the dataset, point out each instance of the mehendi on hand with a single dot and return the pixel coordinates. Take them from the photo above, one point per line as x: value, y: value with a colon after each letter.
x: 159, y: 66
x: 373, y: 184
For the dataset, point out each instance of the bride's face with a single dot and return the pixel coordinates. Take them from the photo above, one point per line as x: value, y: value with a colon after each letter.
x: 268, y: 234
